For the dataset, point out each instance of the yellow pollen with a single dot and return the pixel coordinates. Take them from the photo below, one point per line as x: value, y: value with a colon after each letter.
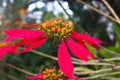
x: 52, y: 74
x: 56, y: 28
x: 3, y: 44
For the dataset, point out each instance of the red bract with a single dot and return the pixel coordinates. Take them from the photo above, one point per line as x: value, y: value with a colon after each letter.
x: 64, y: 60
x: 37, y: 76
x: 81, y: 38
x: 6, y: 48
x: 68, y: 39
x: 30, y: 38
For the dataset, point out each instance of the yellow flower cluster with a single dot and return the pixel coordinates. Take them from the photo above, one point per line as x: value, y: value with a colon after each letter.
x: 56, y: 28
x: 52, y: 74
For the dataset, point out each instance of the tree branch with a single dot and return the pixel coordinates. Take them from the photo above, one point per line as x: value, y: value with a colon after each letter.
x: 8, y: 76
x: 98, y: 71
x: 74, y: 62
x: 103, y: 75
x: 98, y: 11
x: 109, y: 51
x: 111, y: 10
x: 16, y: 68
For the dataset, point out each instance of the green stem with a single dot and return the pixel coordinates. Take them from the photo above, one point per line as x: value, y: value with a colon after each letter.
x: 8, y: 76
x: 98, y: 11
x: 16, y: 68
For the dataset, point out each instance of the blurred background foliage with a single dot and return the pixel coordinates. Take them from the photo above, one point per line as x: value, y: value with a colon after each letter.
x: 23, y: 13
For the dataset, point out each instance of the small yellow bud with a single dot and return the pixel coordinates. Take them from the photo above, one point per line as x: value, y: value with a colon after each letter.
x: 3, y: 45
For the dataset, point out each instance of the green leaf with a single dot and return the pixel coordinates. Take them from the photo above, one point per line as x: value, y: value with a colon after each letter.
x: 82, y: 69
x: 115, y: 49
x: 104, y: 54
x: 117, y: 31
x: 91, y: 49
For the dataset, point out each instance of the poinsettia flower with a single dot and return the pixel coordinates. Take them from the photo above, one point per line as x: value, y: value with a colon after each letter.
x: 40, y: 76
x: 48, y: 73
x: 51, y: 74
x: 61, y: 29
x: 6, y: 47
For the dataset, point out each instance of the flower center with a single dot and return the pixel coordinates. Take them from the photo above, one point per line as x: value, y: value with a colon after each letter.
x: 53, y: 74
x: 56, y: 28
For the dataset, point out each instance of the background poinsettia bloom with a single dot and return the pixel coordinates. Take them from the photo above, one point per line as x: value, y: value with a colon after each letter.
x: 68, y: 39
x: 40, y: 76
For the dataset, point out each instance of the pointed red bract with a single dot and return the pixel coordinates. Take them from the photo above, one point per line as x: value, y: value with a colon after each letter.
x: 10, y: 49
x: 21, y: 33
x: 37, y: 76
x: 23, y: 41
x: 79, y: 50
x: 86, y: 38
x: 28, y: 41
x: 35, y: 45
x: 64, y: 60
x: 7, y: 49
x: 30, y: 38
